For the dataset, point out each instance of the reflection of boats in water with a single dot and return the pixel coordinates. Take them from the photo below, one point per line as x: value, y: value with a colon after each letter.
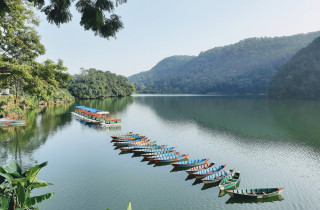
x: 12, y: 122
x: 98, y: 126
x: 233, y: 200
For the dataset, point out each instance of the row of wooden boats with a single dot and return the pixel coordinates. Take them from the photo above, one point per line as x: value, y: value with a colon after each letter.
x: 201, y: 169
x: 95, y: 116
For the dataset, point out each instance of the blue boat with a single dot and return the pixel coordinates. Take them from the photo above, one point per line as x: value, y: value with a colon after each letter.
x: 151, y: 158
x: 209, y: 171
x: 170, y: 159
x: 190, y: 163
x: 217, y: 177
x: 151, y: 150
x: 128, y: 149
x: 149, y: 154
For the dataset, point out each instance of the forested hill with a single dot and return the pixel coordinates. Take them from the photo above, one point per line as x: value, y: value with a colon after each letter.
x: 242, y: 68
x: 155, y: 80
x: 299, y: 77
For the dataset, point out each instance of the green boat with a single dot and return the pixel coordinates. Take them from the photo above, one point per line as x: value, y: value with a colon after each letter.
x: 255, y: 193
x: 230, y: 181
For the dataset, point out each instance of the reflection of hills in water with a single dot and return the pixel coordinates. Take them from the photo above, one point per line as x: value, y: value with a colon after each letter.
x: 113, y: 105
x: 18, y: 142
x: 247, y: 117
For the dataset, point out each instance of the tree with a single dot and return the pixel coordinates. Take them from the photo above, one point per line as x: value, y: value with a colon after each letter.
x: 93, y: 14
x: 19, y: 46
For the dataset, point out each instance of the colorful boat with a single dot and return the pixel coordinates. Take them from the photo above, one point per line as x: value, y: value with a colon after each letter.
x: 199, y: 168
x: 151, y: 158
x: 128, y: 149
x: 130, y: 138
x: 170, y: 159
x: 132, y: 143
x: 151, y: 150
x: 217, y: 177
x: 125, y: 134
x: 230, y: 181
x: 209, y: 171
x: 133, y: 139
x: 190, y: 163
x: 255, y: 193
x: 149, y: 154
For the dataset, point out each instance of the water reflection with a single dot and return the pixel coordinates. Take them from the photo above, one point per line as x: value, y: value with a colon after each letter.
x: 19, y: 143
x: 258, y: 118
x: 232, y: 200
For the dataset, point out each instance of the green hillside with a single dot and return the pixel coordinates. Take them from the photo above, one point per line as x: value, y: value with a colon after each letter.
x: 299, y: 77
x: 242, y: 68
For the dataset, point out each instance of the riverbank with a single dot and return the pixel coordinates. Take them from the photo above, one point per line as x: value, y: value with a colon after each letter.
x: 8, y: 107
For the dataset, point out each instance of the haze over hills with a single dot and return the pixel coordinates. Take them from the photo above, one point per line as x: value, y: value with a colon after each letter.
x: 299, y: 77
x: 242, y: 68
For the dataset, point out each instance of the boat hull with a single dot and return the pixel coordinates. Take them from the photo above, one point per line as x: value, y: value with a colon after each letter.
x: 247, y: 194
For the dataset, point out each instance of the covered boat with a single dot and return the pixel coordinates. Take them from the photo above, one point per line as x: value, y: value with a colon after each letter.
x: 217, y: 177
x: 209, y: 171
x: 190, y: 163
x: 230, y: 181
x: 255, y: 193
x: 200, y: 167
x: 169, y: 159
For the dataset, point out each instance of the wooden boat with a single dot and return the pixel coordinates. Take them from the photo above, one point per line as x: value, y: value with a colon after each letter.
x: 200, y: 167
x: 132, y: 143
x: 149, y: 154
x: 255, y: 193
x: 152, y: 150
x: 170, y: 159
x: 230, y: 181
x: 130, y: 138
x: 209, y: 171
x: 217, y: 177
x: 124, y: 135
x: 128, y: 149
x: 190, y: 163
x: 124, y: 140
x: 151, y: 158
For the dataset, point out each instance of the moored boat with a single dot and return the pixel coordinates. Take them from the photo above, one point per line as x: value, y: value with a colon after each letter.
x: 190, y: 163
x: 170, y: 159
x: 128, y: 149
x: 199, y: 168
x: 255, y: 193
x: 149, y: 154
x: 125, y: 134
x: 151, y: 150
x: 151, y: 158
x: 132, y: 143
x: 230, y: 181
x: 209, y: 171
x: 217, y: 177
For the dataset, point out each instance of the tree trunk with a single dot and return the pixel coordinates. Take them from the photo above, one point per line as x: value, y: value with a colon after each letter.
x: 17, y: 89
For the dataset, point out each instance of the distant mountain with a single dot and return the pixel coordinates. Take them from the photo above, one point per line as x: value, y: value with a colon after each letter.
x: 242, y: 68
x: 300, y: 76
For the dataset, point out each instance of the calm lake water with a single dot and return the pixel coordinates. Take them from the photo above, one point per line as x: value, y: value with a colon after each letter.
x: 272, y: 143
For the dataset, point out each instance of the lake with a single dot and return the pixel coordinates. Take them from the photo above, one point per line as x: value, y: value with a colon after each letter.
x: 272, y: 143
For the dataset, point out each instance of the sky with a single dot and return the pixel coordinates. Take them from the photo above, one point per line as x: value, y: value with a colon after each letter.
x: 156, y: 29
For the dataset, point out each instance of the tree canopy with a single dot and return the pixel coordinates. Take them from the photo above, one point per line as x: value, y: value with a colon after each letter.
x: 19, y: 47
x: 93, y: 13
x: 92, y: 83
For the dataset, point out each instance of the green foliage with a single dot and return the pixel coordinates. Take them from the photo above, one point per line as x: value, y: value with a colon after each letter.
x: 92, y: 83
x: 16, y: 186
x: 242, y: 68
x: 93, y: 13
x: 19, y: 47
x: 299, y: 77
